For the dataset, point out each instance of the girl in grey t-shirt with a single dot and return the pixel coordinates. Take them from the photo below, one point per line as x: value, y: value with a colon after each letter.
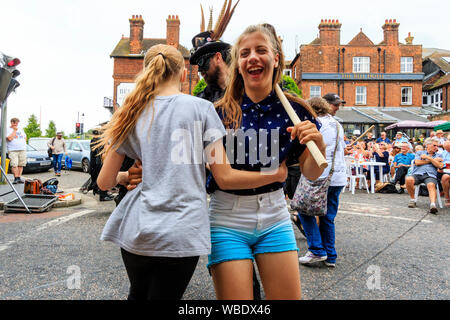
x: 162, y: 226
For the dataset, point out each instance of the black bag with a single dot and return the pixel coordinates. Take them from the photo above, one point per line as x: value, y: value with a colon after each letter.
x: 423, y: 191
x: 388, y: 188
x: 49, y: 150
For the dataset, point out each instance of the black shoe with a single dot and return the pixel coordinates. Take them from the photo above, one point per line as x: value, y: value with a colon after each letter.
x: 401, y: 191
x: 107, y: 198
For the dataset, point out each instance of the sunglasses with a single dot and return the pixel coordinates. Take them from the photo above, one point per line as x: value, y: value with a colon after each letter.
x: 203, y: 62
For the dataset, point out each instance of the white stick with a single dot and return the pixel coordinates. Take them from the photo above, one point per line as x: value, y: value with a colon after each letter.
x: 312, y: 147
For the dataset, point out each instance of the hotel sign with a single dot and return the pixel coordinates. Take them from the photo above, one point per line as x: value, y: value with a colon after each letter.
x: 364, y: 76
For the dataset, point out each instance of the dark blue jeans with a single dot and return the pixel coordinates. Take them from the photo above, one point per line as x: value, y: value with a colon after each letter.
x: 321, y: 239
x: 57, y: 158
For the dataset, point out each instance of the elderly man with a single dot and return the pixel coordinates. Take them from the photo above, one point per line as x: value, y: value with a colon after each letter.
x: 402, y: 162
x: 399, y: 137
x: 426, y: 164
x: 446, y: 176
x: 383, y: 138
x: 440, y: 139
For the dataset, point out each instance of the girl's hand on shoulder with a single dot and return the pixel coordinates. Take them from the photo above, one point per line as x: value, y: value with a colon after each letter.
x: 306, y: 131
x: 134, y: 175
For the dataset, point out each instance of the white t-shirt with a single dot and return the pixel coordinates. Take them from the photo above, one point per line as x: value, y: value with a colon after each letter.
x: 328, y: 131
x: 167, y: 214
x: 19, y: 143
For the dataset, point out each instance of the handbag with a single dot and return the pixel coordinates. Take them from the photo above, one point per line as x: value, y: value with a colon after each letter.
x: 49, y: 150
x: 310, y: 196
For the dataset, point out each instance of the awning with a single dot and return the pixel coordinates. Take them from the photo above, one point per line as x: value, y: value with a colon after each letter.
x: 410, y: 124
x: 444, y: 127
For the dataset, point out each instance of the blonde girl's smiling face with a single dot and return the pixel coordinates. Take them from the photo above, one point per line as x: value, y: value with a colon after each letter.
x: 256, y: 63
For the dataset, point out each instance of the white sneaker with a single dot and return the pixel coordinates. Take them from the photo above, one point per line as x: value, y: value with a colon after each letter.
x: 329, y: 264
x: 311, y: 258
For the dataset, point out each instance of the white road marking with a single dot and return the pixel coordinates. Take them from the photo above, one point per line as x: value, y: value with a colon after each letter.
x: 42, y: 227
x: 379, y: 216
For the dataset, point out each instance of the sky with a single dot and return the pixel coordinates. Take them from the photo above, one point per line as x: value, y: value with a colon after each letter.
x: 64, y: 45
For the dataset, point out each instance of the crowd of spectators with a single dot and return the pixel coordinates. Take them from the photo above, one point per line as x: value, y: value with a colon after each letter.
x: 410, y: 162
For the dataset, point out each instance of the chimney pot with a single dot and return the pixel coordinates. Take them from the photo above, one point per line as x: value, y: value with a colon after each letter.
x: 395, y: 20
x: 386, y: 21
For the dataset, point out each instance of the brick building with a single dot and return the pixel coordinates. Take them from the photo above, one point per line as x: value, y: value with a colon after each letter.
x: 129, y: 54
x: 436, y: 67
x: 381, y: 83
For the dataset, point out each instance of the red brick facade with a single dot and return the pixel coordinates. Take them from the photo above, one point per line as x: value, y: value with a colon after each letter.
x: 129, y: 54
x: 328, y: 64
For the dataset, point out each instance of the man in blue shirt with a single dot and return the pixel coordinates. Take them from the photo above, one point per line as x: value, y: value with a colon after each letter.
x: 426, y: 164
x: 383, y: 138
x: 402, y: 162
x: 399, y: 138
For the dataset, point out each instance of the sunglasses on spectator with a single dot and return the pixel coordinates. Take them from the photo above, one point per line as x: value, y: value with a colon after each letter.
x: 203, y: 62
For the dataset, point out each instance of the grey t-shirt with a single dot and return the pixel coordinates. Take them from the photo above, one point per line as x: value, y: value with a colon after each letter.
x: 167, y: 214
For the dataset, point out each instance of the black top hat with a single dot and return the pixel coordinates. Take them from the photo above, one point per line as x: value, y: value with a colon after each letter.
x: 204, y: 44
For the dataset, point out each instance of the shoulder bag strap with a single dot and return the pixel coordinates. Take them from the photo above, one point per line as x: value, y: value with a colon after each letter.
x: 335, y: 148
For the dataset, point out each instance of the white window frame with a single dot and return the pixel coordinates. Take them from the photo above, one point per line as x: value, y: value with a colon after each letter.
x: 407, y: 65
x: 287, y: 72
x: 361, y: 95
x: 311, y: 95
x: 361, y: 64
x: 408, y: 96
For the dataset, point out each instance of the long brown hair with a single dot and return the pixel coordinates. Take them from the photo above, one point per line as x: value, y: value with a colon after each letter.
x: 230, y: 104
x: 161, y: 64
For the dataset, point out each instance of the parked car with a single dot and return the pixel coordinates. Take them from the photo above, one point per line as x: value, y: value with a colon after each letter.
x: 80, y: 153
x: 39, y: 144
x: 37, y: 160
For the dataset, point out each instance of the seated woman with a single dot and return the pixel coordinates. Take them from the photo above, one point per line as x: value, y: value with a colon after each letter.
x: 381, y: 155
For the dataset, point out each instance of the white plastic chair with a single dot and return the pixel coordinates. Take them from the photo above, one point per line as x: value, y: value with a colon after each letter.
x: 358, y: 174
x: 438, y: 195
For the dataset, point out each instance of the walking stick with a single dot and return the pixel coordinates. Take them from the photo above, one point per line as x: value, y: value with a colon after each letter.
x: 361, y: 136
x: 312, y: 147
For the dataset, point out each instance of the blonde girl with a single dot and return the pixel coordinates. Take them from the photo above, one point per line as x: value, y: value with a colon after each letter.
x: 254, y: 223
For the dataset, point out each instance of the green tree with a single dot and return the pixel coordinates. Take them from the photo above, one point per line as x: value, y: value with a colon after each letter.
x: 291, y: 86
x: 51, y: 130
x: 32, y: 129
x: 199, y: 87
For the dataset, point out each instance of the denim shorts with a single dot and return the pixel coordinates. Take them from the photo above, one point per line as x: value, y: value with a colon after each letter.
x: 244, y: 226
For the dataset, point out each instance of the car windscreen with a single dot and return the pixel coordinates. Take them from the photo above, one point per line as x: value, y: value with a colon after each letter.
x: 38, y: 144
x: 86, y: 145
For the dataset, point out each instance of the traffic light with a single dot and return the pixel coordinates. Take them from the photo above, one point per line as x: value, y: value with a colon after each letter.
x: 8, y: 73
x: 78, y: 127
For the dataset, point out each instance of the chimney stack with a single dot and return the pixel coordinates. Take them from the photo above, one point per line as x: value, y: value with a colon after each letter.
x: 136, y: 34
x: 409, y: 39
x: 173, y: 31
x: 390, y: 29
x: 330, y: 32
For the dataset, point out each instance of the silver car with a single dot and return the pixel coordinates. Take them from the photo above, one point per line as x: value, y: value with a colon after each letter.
x: 80, y: 153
